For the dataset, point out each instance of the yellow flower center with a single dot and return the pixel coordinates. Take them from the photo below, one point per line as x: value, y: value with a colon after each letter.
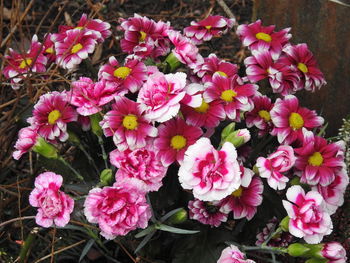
x: 265, y: 115
x: 49, y: 50
x: 203, y: 108
x: 208, y: 27
x: 178, y: 142
x: 122, y: 72
x: 221, y: 73
x: 76, y: 48
x: 79, y: 27
x: 316, y: 159
x: 238, y: 192
x: 228, y: 95
x: 53, y: 116
x: 142, y: 36
x: 303, y: 68
x: 296, y: 121
x: 263, y: 36
x: 130, y: 122
x: 25, y: 63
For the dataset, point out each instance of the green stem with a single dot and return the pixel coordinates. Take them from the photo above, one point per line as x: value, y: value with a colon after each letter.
x: 71, y: 168
x: 27, y: 244
x: 88, y: 156
x: 272, y: 234
x: 104, y: 154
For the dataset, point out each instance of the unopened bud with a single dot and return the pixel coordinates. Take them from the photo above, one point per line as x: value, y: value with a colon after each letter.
x: 297, y: 250
x: 106, y: 177
x: 284, y: 224
x: 45, y: 149
x: 95, y: 124
x: 179, y: 217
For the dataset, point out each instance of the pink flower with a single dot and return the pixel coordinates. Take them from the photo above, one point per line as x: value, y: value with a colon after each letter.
x: 175, y: 136
x: 204, y: 30
x: 140, y: 164
x: 129, y: 77
x: 85, y: 122
x: 27, y: 138
x: 232, y: 254
x: 49, y: 48
x: 54, y: 206
x: 257, y: 37
x: 117, y: 209
x: 308, y: 219
x: 18, y: 65
x: 289, y: 119
x: 334, y: 252
x: 244, y: 201
x: 89, y: 97
x: 317, y: 161
x: 211, y: 174
x: 100, y: 28
x: 127, y: 124
x: 273, y: 167
x: 51, y: 115
x: 208, y: 213
x: 160, y: 96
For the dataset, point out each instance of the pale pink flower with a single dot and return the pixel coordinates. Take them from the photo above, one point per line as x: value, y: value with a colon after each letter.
x: 27, y: 138
x: 277, y: 163
x: 117, y: 210
x: 127, y: 124
x: 308, y: 219
x: 232, y: 254
x: 208, y: 213
x: 334, y: 252
x: 54, y: 206
x: 211, y: 174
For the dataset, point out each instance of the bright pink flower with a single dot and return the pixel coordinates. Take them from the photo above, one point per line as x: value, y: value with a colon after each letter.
x: 257, y: 37
x: 19, y: 65
x: 49, y: 48
x: 212, y: 26
x: 289, y: 119
x: 160, y: 96
x: 141, y: 164
x: 211, y: 174
x: 232, y: 254
x: 334, y: 252
x: 208, y: 213
x: 117, y: 210
x: 317, y: 161
x: 308, y: 219
x: 27, y: 138
x: 174, y: 138
x: 129, y: 77
x: 89, y: 97
x: 54, y: 206
x: 127, y: 124
x: 273, y: 167
x: 51, y: 115
x: 244, y: 201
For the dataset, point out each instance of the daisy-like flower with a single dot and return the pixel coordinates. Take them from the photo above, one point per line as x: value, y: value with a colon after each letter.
x: 128, y: 77
x: 317, y: 160
x: 308, y: 218
x: 244, y: 201
x: 127, y: 124
x: 232, y: 254
x: 208, y: 213
x: 281, y: 240
x: 211, y: 174
x: 49, y: 48
x: 160, y: 96
x: 289, y: 119
x: 51, y: 115
x: 210, y: 27
x: 19, y: 65
x: 257, y: 37
x: 175, y: 136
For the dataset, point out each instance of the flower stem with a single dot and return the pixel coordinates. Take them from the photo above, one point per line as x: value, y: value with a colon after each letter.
x: 27, y: 244
x: 272, y: 234
x: 71, y: 168
x: 88, y: 156
x: 104, y: 154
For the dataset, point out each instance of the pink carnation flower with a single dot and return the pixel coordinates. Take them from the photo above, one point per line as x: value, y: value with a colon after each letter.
x: 27, y: 138
x: 308, y: 219
x: 232, y: 254
x: 273, y: 167
x: 140, y: 164
x: 211, y: 174
x: 54, y: 206
x: 160, y: 96
x: 51, y: 115
x: 317, y: 161
x: 208, y: 213
x: 334, y: 252
x: 117, y: 209
x: 289, y: 119
x: 210, y: 27
x: 127, y: 124
x: 129, y: 77
x: 175, y: 136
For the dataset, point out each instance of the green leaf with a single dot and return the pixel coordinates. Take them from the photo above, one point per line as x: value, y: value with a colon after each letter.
x: 145, y: 241
x: 169, y: 214
x: 146, y: 231
x: 86, y: 248
x: 175, y: 229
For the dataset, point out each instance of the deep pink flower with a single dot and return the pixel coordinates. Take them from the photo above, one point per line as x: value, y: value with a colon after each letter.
x: 129, y: 77
x: 212, y: 26
x: 308, y: 219
x: 232, y: 254
x: 334, y: 252
x: 27, y: 138
x: 273, y: 167
x: 317, y: 161
x: 51, y: 115
x: 174, y: 138
x: 127, y: 124
x: 49, y: 48
x: 208, y: 213
x: 289, y: 119
x: 211, y: 174
x: 54, y: 206
x: 117, y: 210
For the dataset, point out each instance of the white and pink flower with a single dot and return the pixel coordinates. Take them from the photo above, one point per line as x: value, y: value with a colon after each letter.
x: 27, y: 138
x: 334, y: 252
x: 232, y: 254
x: 208, y: 213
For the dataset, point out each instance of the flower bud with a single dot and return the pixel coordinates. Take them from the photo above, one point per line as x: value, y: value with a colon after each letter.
x: 228, y: 130
x: 95, y: 124
x: 106, y: 177
x: 45, y: 149
x: 284, y: 224
x: 238, y: 138
x: 333, y: 252
x: 179, y: 217
x: 297, y: 250
x: 295, y: 181
x: 172, y: 62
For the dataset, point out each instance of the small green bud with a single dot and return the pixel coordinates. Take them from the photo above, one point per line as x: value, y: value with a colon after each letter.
x: 95, y: 124
x: 255, y: 169
x: 106, y: 177
x: 238, y: 138
x: 297, y: 250
x: 284, y: 224
x: 45, y: 149
x: 172, y: 62
x: 295, y: 181
x: 179, y: 217
x: 228, y: 130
